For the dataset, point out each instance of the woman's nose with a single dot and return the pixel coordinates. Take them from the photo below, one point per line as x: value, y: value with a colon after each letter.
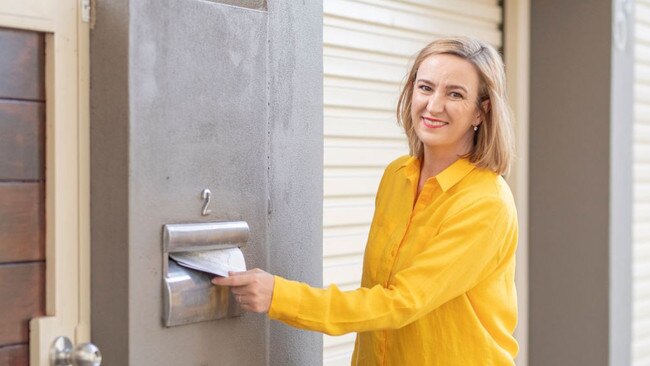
x: 435, y: 104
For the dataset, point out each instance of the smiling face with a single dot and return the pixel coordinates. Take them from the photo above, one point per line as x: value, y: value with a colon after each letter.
x: 444, y: 105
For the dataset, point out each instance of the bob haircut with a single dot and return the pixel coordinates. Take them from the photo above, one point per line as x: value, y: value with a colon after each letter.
x: 493, y: 147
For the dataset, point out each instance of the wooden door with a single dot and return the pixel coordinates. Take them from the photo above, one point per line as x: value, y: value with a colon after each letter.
x: 44, y: 230
x: 22, y: 204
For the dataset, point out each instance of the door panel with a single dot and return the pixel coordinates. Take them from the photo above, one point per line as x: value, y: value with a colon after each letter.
x: 21, y: 139
x: 22, y: 291
x: 21, y: 222
x: 21, y: 64
x: 22, y: 202
x: 14, y: 355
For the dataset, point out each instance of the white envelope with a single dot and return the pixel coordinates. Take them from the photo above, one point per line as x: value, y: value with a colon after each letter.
x: 217, y: 262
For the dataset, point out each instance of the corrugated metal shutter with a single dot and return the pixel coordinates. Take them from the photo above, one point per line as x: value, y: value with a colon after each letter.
x: 366, y: 51
x: 641, y: 171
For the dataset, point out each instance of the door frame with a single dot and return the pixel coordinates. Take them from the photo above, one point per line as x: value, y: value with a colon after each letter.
x: 67, y: 176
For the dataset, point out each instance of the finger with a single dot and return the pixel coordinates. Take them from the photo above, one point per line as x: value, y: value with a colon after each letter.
x: 221, y: 281
x: 231, y: 273
x: 240, y: 290
x: 243, y: 302
x: 252, y: 306
x: 237, y: 280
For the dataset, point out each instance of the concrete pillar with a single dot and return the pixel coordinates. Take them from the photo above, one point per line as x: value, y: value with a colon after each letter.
x: 188, y: 95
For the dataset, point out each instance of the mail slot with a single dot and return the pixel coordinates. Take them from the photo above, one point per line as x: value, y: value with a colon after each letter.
x: 189, y: 296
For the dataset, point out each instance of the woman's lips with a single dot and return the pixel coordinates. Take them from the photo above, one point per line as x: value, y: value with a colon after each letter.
x: 433, y: 123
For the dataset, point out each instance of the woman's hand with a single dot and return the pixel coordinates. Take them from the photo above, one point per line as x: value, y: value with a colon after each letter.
x: 253, y: 289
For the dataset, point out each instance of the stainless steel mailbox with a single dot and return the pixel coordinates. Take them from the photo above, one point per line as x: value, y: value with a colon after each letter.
x: 189, y: 296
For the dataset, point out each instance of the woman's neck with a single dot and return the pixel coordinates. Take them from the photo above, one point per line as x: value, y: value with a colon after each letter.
x: 433, y: 164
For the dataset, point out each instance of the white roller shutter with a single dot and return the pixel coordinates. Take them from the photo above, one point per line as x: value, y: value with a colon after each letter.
x: 641, y: 172
x: 367, y: 47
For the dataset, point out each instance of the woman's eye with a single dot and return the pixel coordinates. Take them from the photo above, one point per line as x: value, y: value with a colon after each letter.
x: 425, y: 88
x: 456, y: 95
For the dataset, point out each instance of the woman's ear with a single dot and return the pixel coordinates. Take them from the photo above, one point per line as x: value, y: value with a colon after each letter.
x: 485, y: 106
x: 485, y: 109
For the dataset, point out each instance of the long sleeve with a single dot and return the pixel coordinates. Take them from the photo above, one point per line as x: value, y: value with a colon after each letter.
x: 468, y: 247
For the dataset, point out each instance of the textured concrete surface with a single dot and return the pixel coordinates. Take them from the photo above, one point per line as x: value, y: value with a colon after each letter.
x: 198, y: 106
x: 296, y: 163
x: 208, y: 96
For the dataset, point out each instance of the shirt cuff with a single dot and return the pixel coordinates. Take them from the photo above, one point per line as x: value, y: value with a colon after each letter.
x: 285, y: 302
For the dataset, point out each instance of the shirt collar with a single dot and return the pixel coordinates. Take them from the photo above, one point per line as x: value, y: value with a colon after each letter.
x: 411, y: 168
x: 447, y: 178
x: 454, y: 173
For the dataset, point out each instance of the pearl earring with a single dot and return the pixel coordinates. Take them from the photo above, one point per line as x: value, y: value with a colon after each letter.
x: 475, y: 128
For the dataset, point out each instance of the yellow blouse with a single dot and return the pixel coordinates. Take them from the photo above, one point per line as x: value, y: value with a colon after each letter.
x: 438, y: 284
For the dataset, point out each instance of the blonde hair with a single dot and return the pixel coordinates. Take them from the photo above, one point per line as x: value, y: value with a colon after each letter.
x: 493, y: 146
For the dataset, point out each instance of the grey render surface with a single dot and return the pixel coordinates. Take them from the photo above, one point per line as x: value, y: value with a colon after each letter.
x: 295, y: 217
x: 188, y: 95
x: 569, y: 183
x: 580, y: 179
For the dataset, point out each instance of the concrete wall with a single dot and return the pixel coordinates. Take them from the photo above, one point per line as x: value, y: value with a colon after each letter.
x: 207, y: 96
x: 296, y: 163
x: 109, y: 161
x: 578, y: 193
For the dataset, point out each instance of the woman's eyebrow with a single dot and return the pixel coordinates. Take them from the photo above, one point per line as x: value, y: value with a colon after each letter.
x: 448, y: 87
x: 454, y: 86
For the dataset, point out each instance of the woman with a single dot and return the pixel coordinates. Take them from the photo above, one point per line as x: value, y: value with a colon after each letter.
x: 438, y: 273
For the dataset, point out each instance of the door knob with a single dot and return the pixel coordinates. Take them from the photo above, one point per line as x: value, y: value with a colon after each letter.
x: 85, y: 354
